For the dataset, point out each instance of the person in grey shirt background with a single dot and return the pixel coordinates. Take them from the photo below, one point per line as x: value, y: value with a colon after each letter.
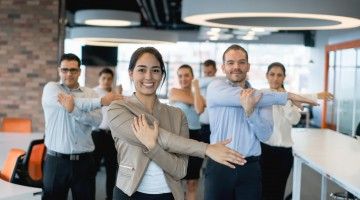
x: 104, y: 143
x: 209, y: 70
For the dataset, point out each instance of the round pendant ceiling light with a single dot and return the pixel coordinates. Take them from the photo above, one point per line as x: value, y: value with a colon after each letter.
x: 107, y: 18
x: 108, y: 36
x: 278, y: 14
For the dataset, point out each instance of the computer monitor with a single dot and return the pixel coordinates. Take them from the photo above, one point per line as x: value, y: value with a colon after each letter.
x: 93, y: 56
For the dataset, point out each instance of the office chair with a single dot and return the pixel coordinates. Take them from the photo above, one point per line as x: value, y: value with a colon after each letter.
x: 21, y: 125
x: 346, y: 195
x: 7, y: 173
x: 30, y: 169
x: 357, y: 132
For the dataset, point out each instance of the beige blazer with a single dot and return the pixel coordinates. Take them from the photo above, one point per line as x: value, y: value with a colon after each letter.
x: 169, y: 153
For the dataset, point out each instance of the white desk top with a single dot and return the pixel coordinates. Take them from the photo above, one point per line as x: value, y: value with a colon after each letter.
x: 330, y: 153
x: 10, y: 191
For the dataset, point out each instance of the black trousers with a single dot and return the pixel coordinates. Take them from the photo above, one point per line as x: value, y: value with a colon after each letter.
x: 205, y: 132
x: 194, y: 164
x: 276, y: 164
x: 62, y: 174
x: 105, y: 148
x: 241, y: 183
x: 120, y: 195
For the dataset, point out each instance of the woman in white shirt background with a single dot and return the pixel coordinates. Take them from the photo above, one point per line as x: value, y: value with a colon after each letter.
x: 276, y: 157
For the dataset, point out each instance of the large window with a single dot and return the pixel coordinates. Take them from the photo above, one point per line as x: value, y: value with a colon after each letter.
x: 343, y: 77
x: 296, y: 58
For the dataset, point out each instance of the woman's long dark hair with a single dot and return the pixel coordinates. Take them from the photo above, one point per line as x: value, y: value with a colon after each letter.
x: 282, y: 67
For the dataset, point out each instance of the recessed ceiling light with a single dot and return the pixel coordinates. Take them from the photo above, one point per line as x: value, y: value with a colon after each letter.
x: 247, y: 37
x: 213, y: 38
x: 258, y: 29
x: 107, y: 22
x: 252, y: 33
x: 212, y: 33
x: 107, y: 18
x: 215, y: 30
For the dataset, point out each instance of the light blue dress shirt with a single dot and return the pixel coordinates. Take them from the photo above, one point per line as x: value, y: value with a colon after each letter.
x: 190, y: 113
x: 203, y: 84
x: 228, y: 119
x: 104, y: 123
x: 65, y: 132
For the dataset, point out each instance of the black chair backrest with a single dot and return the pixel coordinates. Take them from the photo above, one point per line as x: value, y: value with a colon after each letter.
x: 357, y: 132
x: 28, y: 169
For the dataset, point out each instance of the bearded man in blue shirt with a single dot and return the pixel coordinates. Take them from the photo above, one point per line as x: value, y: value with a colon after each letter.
x: 245, y: 115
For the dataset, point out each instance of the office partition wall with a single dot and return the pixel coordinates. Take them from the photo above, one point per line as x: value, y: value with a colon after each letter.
x: 342, y: 78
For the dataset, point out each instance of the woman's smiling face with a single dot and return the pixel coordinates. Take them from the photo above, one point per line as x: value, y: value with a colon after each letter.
x: 146, y: 75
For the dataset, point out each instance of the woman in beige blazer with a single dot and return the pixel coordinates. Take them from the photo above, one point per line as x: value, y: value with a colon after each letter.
x: 151, y: 138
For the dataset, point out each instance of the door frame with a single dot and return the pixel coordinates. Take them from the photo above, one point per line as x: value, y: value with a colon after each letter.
x: 328, y: 49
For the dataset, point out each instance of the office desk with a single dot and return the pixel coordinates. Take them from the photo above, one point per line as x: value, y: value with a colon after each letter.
x: 11, y: 191
x: 334, y: 155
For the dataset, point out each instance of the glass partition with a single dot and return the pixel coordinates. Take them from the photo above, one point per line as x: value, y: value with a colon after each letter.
x: 357, y: 93
x: 343, y: 114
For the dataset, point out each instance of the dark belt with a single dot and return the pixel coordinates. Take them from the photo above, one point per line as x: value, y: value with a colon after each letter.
x: 252, y: 158
x: 107, y: 131
x: 78, y: 156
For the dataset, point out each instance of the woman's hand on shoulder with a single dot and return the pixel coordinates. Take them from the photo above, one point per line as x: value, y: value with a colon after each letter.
x: 145, y: 133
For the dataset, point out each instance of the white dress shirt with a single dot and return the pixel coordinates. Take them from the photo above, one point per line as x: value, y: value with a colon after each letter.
x: 70, y: 133
x: 284, y: 118
x: 104, y: 123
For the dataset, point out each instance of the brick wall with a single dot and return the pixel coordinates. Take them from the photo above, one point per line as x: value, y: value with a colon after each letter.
x: 28, y: 56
